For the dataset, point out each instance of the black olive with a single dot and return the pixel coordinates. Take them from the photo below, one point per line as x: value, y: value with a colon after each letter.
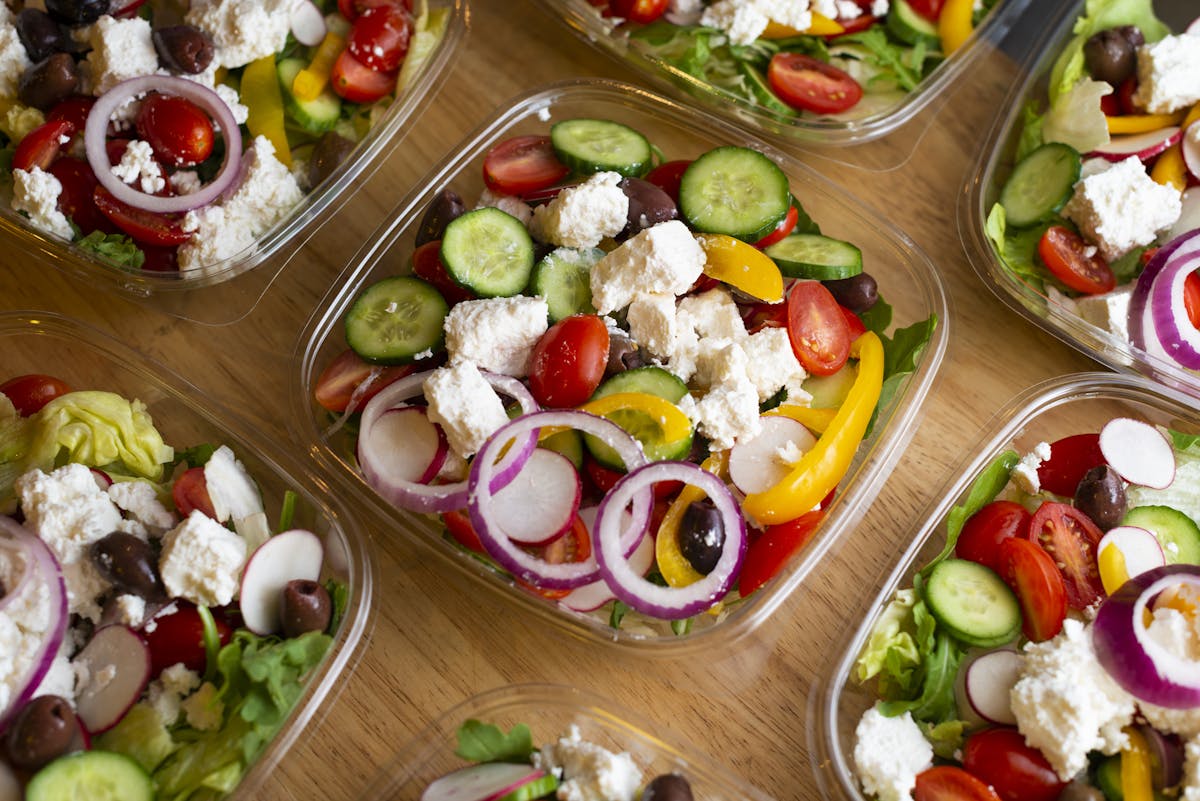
x: 42, y: 36
x: 77, y: 12
x: 668, y: 787
x: 648, y: 206
x: 1111, y: 54
x: 304, y: 606
x: 702, y: 535
x: 623, y: 353
x: 183, y: 48
x: 1080, y: 791
x: 1101, y: 496
x: 129, y: 563
x: 441, y: 211
x: 43, y: 730
x: 331, y: 150
x: 48, y: 82
x: 857, y: 293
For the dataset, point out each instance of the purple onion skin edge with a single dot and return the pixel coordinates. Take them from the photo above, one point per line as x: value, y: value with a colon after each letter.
x: 1141, y: 291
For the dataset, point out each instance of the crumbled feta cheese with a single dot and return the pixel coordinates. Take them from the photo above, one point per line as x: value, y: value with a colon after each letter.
x: 13, y: 59
x: 233, y: 100
x: 201, y: 561
x: 709, y: 315
x: 19, y: 120
x: 464, y: 404
x: 243, y: 30
x: 36, y: 192
x: 879, y: 8
x: 889, y: 753
x: 185, y: 182
x: 497, y: 334
x: 166, y: 693
x: 1108, y: 311
x: 745, y: 20
x: 582, y: 216
x: 663, y: 258
x: 588, y: 772
x: 1168, y: 74
x: 509, y: 204
x: 204, y: 709
x: 1122, y: 208
x: 121, y: 49
x: 651, y: 319
x: 138, y: 166
x: 771, y: 365
x: 1025, y: 474
x: 728, y: 410
x: 60, y: 678
x: 130, y: 610
x: 1191, y: 770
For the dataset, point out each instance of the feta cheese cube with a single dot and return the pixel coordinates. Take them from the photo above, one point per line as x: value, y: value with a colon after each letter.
x: 771, y: 365
x: 889, y: 753
x: 1025, y: 474
x: 584, y: 215
x: 651, y: 319
x: 201, y: 561
x: 497, y: 334
x: 745, y: 20
x: 1122, y: 208
x: 138, y: 499
x: 509, y: 204
x: 121, y: 49
x: 243, y: 30
x: 709, y: 315
x: 662, y: 258
x: 464, y: 404
x: 589, y: 772
x: 35, y: 192
x: 1168, y: 74
x: 139, y: 168
x: 1108, y: 311
x: 13, y: 59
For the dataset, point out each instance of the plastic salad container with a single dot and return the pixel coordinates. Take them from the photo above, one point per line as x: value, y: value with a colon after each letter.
x: 905, y: 276
x: 679, y: 62
x: 550, y: 711
x: 1076, y: 407
x: 221, y: 282
x: 1100, y: 325
x: 294, y: 690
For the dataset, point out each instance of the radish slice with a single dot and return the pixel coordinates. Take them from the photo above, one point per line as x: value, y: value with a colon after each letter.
x: 1194, y: 28
x: 101, y: 478
x: 1144, y: 145
x: 485, y: 782
x: 1125, y: 552
x: 539, y: 505
x: 116, y: 669
x: 986, y: 682
x: 405, y: 445
x: 308, y: 23
x: 1189, y: 214
x: 760, y: 463
x: 591, y: 597
x: 295, y: 554
x: 1138, y: 452
x: 1191, y: 149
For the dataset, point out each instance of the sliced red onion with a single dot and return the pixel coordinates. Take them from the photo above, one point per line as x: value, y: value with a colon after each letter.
x: 591, y: 597
x: 1140, y: 325
x: 48, y: 571
x: 1143, y: 667
x: 97, y: 127
x: 1174, y: 328
x: 669, y: 603
x: 308, y: 23
x: 482, y: 489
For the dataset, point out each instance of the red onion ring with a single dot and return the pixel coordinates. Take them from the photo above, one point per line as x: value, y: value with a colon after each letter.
x: 48, y: 571
x: 96, y: 130
x: 1141, y: 327
x: 1175, y: 331
x: 668, y: 603
x: 14, y: 592
x: 1140, y: 665
x: 522, y: 564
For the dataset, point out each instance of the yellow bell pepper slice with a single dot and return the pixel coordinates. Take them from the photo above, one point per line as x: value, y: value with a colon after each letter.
x: 954, y: 24
x: 310, y: 81
x: 261, y: 94
x: 742, y: 266
x: 1136, y: 784
x: 821, y: 26
x: 1170, y: 169
x: 816, y: 420
x: 676, y: 570
x: 1141, y: 123
x: 823, y: 466
x: 674, y: 423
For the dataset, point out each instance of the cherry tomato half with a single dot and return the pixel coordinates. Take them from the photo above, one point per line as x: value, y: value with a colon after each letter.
x: 983, y: 532
x: 667, y: 176
x: 179, y: 637
x: 929, y: 9
x: 1071, y: 538
x: 1032, y: 576
x: 1191, y: 298
x: 1016, y: 771
x: 1066, y: 255
x: 29, y: 393
x: 854, y: 323
x: 341, y: 378
x: 74, y: 109
x: 948, y: 783
x: 807, y: 83
x: 785, y: 227
x: 358, y: 83
x: 1070, y: 458
x: 77, y: 199
x: 1125, y: 93
x: 574, y: 546
x: 41, y: 146
x: 380, y: 37
x: 427, y: 264
x: 817, y: 329
x: 179, y: 131
x: 640, y: 11
x: 190, y: 493
x: 568, y: 361
x: 141, y: 225
x: 522, y: 164
x: 458, y: 525
x: 774, y: 548
x: 352, y: 9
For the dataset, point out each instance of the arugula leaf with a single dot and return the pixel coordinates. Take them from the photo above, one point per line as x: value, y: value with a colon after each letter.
x: 116, y: 249
x: 1187, y: 443
x: 990, y: 482
x: 1016, y: 249
x: 195, y: 456
x: 804, y: 223
x: 898, y: 63
x: 936, y: 702
x: 878, y: 317
x: 900, y: 354
x: 483, y: 742
x: 619, y: 610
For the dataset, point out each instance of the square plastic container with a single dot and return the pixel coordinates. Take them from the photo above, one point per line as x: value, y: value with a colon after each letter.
x: 906, y: 279
x: 1047, y: 412
x: 88, y: 359
x: 870, y: 120
x: 226, y: 291
x: 550, y: 710
x: 982, y: 191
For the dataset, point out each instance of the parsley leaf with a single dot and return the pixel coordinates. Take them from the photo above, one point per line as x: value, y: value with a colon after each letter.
x: 483, y: 742
x: 900, y: 64
x: 195, y: 456
x: 983, y: 491
x: 116, y: 249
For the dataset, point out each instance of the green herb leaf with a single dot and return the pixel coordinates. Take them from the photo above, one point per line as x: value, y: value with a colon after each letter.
x: 936, y: 702
x: 1188, y: 443
x: 195, y: 456
x: 983, y: 491
x: 619, y: 610
x: 890, y: 59
x: 116, y: 249
x: 1017, y: 248
x: 483, y: 742
x: 878, y: 317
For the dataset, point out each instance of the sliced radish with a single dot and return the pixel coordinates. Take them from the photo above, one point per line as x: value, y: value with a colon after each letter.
x: 295, y: 554
x: 308, y: 23
x: 591, y: 597
x: 539, y: 505
x: 1125, y: 552
x: 405, y: 445
x: 1144, y: 145
x: 116, y: 669
x: 1189, y: 214
x: 1138, y: 452
x: 102, y: 479
x: 485, y: 782
x: 1191, y: 148
x: 1194, y: 28
x: 986, y: 682
x: 760, y: 463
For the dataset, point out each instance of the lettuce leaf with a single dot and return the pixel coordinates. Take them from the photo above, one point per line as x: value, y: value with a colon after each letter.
x: 483, y: 742
x: 116, y: 249
x: 892, y: 651
x: 429, y: 27
x: 1016, y: 248
x: 1076, y: 118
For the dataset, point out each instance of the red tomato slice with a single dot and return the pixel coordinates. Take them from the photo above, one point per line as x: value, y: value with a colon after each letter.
x: 143, y: 226
x: 41, y: 146
x: 179, y: 637
x: 458, y: 525
x: 29, y: 393
x: 77, y: 199
x: 983, y: 532
x: 1065, y: 254
x: 807, y: 83
x: 854, y: 323
x: 351, y: 9
x: 948, y: 783
x: 1016, y: 771
x: 856, y: 25
x: 380, y: 37
x: 427, y: 264
x: 574, y: 546
x: 179, y: 131
x: 190, y: 493
x: 1071, y: 538
x: 640, y: 11
x: 785, y: 227
x: 1191, y: 298
x: 666, y: 176
x: 74, y: 109
x: 929, y: 9
x: 357, y: 82
x: 601, y: 477
x: 817, y: 329
x: 522, y: 164
x: 1070, y: 458
x: 1031, y: 574
x: 568, y: 361
x: 342, y: 377
x: 774, y: 548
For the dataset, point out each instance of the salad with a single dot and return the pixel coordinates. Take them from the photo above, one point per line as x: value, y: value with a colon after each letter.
x: 1100, y: 211
x: 1052, y: 649
x: 629, y: 386
x: 171, y: 137
x: 157, y: 627
x: 840, y: 59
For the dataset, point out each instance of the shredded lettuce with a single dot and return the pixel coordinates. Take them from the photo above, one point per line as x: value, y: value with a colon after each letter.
x: 1016, y: 248
x: 892, y: 651
x: 1076, y: 118
x: 429, y: 27
x: 483, y: 742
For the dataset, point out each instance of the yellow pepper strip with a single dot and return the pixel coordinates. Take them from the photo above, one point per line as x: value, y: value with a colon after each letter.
x: 821, y: 26
x: 954, y: 24
x: 816, y: 420
x: 1170, y: 169
x: 261, y: 95
x: 310, y: 81
x: 674, y: 423
x: 1141, y: 123
x: 676, y: 570
x: 742, y: 266
x: 1136, y: 784
x: 823, y: 466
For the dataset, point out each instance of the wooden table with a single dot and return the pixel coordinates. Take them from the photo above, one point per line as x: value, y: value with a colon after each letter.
x: 429, y: 647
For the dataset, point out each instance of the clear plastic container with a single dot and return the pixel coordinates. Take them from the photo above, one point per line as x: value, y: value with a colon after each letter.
x: 1047, y: 412
x: 85, y: 358
x: 982, y: 191
x: 550, y: 710
x: 905, y: 275
x: 225, y: 292
x: 876, y: 116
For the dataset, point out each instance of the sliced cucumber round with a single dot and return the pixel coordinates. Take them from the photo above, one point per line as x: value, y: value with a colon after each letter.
x: 762, y: 91
x: 589, y: 146
x: 1040, y: 184
x: 908, y: 26
x: 318, y: 115
x: 489, y: 252
x: 1177, y: 533
x: 973, y: 603
x: 91, y: 775
x: 395, y: 320
x: 734, y: 191
x: 817, y: 257
x: 564, y: 278
x: 644, y: 428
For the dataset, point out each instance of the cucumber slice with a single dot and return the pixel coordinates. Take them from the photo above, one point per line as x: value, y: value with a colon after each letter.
x: 91, y: 775
x: 318, y: 115
x: 539, y: 787
x: 762, y: 91
x: 1040, y: 184
x: 1106, y: 776
x: 908, y: 26
x: 589, y: 146
x: 734, y: 191
x: 564, y: 278
x: 972, y: 603
x: 815, y: 256
x: 395, y: 320
x: 830, y: 391
x: 653, y: 381
x: 567, y: 442
x: 1177, y: 533
x: 489, y: 252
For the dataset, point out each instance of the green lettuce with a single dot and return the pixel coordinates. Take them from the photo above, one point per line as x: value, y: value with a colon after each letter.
x: 483, y: 742
x: 429, y: 28
x: 116, y: 249
x: 990, y: 482
x: 1101, y: 15
x: 1017, y: 248
x: 893, y: 652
